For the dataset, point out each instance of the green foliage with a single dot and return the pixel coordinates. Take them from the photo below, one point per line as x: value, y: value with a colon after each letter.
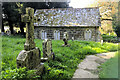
x: 13, y: 11
x: 110, y: 47
x: 10, y: 49
x: 116, y: 24
x: 109, y: 38
x: 66, y: 58
x: 117, y: 30
x: 110, y: 68
x: 19, y: 74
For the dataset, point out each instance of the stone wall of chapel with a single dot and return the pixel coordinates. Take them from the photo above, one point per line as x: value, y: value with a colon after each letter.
x: 76, y: 32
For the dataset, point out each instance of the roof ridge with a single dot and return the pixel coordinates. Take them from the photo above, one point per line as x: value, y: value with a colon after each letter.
x: 70, y: 8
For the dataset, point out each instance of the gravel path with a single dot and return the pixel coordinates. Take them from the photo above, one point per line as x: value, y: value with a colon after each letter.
x: 89, y: 67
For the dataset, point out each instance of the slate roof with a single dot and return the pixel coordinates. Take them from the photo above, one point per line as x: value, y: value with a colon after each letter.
x: 68, y: 17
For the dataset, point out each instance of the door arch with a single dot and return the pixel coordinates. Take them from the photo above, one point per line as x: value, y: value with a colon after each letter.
x: 88, y: 34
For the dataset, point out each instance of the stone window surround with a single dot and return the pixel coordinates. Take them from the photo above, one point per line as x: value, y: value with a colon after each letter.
x: 57, y: 31
x: 45, y: 34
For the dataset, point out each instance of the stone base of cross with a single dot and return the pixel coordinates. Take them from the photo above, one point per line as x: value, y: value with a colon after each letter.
x: 29, y: 59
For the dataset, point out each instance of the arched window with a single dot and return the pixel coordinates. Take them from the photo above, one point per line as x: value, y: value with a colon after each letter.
x: 87, y: 34
x: 56, y: 35
x: 43, y: 34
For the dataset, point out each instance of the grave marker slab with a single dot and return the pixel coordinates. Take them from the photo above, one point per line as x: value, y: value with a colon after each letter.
x: 47, y: 49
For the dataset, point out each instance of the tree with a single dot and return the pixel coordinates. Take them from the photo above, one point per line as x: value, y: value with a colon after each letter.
x: 46, y: 5
x: 117, y: 24
x: 12, y: 17
x: 109, y: 11
x: 14, y: 10
x: 3, y: 26
x: 21, y: 10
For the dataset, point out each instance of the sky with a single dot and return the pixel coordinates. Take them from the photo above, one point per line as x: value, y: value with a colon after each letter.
x: 80, y: 3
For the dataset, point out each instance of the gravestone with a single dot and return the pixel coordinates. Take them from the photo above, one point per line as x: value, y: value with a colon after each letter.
x: 87, y: 34
x: 72, y: 38
x: 30, y: 57
x: 65, y: 39
x: 47, y: 49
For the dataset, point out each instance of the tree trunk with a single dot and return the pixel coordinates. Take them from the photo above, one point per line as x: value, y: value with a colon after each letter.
x: 22, y: 27
x: 11, y: 26
x: 3, y: 27
x: 118, y: 39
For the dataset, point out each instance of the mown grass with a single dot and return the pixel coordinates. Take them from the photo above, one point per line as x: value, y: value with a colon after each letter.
x: 66, y: 58
x: 110, y: 68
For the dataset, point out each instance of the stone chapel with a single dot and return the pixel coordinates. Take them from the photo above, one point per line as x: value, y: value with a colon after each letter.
x: 80, y: 23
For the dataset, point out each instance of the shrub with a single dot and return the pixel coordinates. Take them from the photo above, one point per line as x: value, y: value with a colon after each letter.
x: 110, y: 47
x: 21, y: 73
x: 99, y: 50
x: 109, y: 38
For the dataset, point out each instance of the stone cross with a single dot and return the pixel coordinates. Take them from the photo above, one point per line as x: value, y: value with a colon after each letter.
x: 29, y: 19
x: 30, y: 57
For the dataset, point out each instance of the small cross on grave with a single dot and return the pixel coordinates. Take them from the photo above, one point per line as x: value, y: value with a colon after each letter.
x: 65, y: 39
x: 30, y: 57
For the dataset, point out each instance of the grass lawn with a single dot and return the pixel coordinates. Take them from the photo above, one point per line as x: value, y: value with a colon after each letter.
x: 66, y: 58
x: 110, y: 68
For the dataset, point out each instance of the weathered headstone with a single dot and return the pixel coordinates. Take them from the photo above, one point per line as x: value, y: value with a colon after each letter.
x: 72, y: 38
x: 30, y: 57
x: 47, y: 49
x: 65, y: 39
